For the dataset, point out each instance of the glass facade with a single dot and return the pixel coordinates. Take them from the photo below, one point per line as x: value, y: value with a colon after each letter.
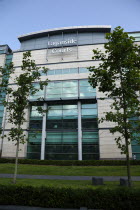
x: 135, y: 35
x: 65, y: 71
x: 90, y: 142
x: 61, y: 141
x: 62, y: 89
x: 69, y: 89
x: 135, y: 145
x: 64, y: 39
x: 62, y: 135
x: 1, y: 114
x: 34, y: 134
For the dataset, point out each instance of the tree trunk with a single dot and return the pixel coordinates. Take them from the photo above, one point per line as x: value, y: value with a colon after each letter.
x: 128, y: 164
x: 16, y: 163
x: 1, y: 146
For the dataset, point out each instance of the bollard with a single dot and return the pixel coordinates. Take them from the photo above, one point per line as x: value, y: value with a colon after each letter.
x: 97, y: 181
x: 123, y: 182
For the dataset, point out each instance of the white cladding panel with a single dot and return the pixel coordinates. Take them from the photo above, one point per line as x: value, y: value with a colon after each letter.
x: 108, y: 147
x: 9, y: 148
x: 80, y: 53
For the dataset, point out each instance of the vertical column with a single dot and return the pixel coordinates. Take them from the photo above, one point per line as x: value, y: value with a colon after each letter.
x: 43, y: 132
x: 79, y: 132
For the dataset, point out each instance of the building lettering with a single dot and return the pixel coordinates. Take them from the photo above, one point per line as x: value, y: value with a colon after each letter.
x: 61, y: 50
x: 65, y: 42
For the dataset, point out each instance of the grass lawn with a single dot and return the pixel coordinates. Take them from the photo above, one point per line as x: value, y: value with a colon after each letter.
x: 8, y: 168
x: 62, y: 183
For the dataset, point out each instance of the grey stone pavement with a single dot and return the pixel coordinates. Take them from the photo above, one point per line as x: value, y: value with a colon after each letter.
x: 54, y: 177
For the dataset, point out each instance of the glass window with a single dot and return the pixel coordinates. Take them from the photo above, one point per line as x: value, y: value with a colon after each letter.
x: 137, y: 156
x: 35, y: 124
x: 89, y: 123
x: 62, y: 116
x: 84, y: 83
x: 54, y: 84
x: 70, y: 123
x: 54, y: 137
x: 9, y: 57
x: 90, y: 137
x: 70, y: 112
x: 1, y: 107
x: 137, y: 39
x: 54, y: 123
x: 54, y: 113
x: 63, y: 89
x: 69, y: 106
x: 50, y: 72
x: 70, y: 83
x: 89, y: 111
x: 35, y: 136
x: 136, y: 148
x: 70, y: 90
x: 1, y: 114
x: 33, y: 148
x: 87, y: 89
x: 85, y: 94
x: 90, y: 148
x: 73, y: 70
x: 54, y: 91
x: 39, y: 93
x: 65, y: 71
x: 83, y: 70
x: 35, y: 113
x: 68, y: 95
x: 134, y: 34
x: 89, y: 106
x: 2, y: 51
x: 58, y: 71
x: 70, y: 137
x: 55, y: 107
x: 54, y: 96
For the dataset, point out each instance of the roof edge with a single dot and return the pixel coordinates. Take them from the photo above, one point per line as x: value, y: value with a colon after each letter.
x: 105, y: 28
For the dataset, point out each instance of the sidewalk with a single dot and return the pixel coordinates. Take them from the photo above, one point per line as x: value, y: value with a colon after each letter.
x: 54, y: 177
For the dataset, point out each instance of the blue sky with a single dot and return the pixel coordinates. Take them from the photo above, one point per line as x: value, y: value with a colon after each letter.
x: 18, y: 17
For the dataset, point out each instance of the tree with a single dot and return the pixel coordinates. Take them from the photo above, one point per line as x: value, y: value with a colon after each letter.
x: 18, y: 95
x: 118, y: 77
x: 4, y: 77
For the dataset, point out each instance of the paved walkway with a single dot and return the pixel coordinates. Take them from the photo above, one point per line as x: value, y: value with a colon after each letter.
x: 54, y: 177
x: 11, y: 207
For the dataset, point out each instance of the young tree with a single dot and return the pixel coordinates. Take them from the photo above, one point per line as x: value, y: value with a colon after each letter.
x: 18, y: 102
x: 118, y: 77
x: 4, y: 77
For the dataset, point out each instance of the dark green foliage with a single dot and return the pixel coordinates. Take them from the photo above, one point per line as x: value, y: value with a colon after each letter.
x: 119, y: 198
x: 118, y: 77
x: 72, y: 162
x: 18, y: 103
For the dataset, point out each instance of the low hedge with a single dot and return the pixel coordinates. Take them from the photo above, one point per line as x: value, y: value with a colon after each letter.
x: 119, y: 198
x: 72, y: 162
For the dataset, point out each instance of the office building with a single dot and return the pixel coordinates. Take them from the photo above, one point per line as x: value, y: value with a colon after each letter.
x: 69, y: 130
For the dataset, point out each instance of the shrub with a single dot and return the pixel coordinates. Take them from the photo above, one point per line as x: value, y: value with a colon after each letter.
x: 72, y: 162
x: 49, y: 197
